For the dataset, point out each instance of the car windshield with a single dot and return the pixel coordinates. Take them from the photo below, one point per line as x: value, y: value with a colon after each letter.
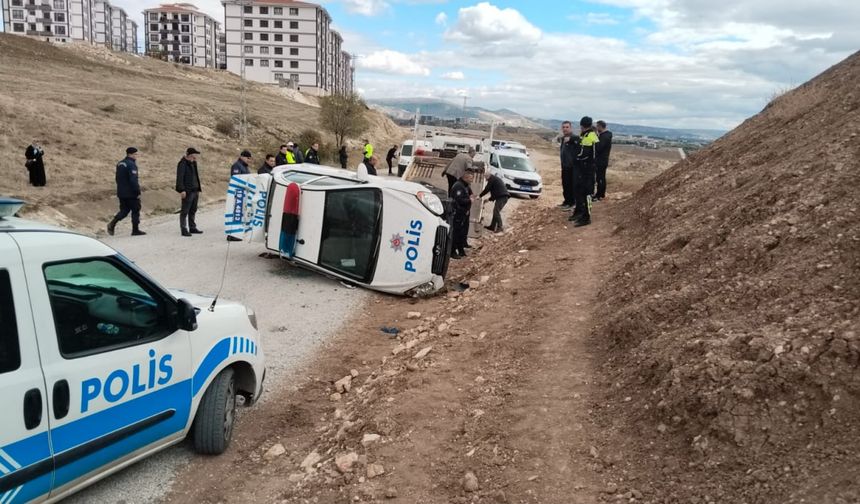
x: 516, y: 164
x: 406, y: 150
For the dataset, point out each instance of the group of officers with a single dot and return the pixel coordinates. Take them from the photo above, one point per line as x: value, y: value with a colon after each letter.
x: 584, y: 160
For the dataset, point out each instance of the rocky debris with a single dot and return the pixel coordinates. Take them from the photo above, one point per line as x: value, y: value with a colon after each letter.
x: 335, y: 397
x: 422, y: 353
x: 391, y: 493
x: 344, y: 462
x: 353, y: 373
x: 399, y: 348
x: 611, y: 488
x: 485, y: 279
x: 343, y: 385
x: 413, y: 315
x: 310, y: 460
x: 470, y: 482
x: 374, y: 470
x: 275, y: 451
x: 370, y: 439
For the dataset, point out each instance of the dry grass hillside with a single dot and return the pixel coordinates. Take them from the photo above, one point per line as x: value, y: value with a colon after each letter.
x: 85, y: 105
x: 732, y: 323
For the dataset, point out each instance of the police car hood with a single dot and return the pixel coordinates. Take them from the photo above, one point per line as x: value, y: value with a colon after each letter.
x: 199, y: 301
x: 527, y: 175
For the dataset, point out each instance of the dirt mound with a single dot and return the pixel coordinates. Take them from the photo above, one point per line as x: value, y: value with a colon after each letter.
x: 734, y: 313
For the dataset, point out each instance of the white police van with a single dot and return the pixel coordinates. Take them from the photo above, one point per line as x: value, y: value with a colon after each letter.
x: 100, y: 366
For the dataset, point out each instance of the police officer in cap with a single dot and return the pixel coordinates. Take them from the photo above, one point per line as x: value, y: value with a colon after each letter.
x: 583, y: 173
x: 128, y: 192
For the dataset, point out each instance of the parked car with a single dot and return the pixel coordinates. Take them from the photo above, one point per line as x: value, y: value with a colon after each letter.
x: 380, y: 233
x: 100, y: 366
x: 518, y: 172
x: 406, y: 153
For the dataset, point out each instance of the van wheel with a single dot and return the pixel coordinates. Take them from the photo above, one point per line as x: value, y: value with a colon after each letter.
x: 213, y: 426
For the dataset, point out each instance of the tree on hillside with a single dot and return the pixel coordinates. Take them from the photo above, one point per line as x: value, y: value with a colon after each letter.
x: 343, y: 116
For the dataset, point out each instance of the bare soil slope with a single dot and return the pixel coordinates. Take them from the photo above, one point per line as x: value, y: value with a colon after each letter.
x: 86, y: 104
x: 731, y: 322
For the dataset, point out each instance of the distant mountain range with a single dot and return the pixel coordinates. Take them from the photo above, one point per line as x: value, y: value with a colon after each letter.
x: 404, y: 108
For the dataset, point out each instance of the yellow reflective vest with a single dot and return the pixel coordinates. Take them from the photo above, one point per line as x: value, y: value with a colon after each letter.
x: 368, y: 151
x: 291, y: 158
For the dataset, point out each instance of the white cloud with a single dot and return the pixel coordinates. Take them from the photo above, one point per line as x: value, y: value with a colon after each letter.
x: 488, y: 30
x: 392, y: 62
x: 600, y: 18
x: 366, y: 7
x: 454, y: 76
x: 442, y: 19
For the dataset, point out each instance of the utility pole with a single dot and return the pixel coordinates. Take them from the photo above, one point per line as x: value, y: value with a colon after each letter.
x: 243, y: 100
x: 464, y: 105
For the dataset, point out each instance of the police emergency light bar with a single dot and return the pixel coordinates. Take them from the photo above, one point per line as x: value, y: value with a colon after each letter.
x: 9, y: 206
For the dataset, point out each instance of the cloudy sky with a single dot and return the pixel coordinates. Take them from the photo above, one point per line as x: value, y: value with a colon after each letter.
x: 681, y: 63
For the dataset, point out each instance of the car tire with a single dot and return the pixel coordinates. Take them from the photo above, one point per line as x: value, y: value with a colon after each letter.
x: 213, y: 426
x: 533, y: 197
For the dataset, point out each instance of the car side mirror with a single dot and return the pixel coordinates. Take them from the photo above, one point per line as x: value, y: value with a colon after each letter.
x: 186, y: 315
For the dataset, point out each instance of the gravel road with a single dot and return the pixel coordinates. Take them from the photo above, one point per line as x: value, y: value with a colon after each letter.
x: 296, y: 311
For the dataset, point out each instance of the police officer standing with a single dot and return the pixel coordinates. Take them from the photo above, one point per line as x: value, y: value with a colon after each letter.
x: 281, y: 158
x: 312, y: 154
x: 128, y: 193
x: 583, y: 173
x: 462, y: 197
x: 242, y: 165
x: 189, y: 189
x: 368, y: 149
x: 604, y: 147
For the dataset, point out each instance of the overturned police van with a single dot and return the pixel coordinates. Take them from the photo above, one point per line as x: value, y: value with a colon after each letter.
x: 382, y: 234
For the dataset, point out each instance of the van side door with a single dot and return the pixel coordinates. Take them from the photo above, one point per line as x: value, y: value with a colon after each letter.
x: 26, y: 465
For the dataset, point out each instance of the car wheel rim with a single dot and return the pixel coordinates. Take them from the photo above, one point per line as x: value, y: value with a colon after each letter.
x: 229, y: 411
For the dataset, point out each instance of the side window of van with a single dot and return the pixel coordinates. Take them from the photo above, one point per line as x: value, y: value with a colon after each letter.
x: 98, y: 307
x: 10, y: 353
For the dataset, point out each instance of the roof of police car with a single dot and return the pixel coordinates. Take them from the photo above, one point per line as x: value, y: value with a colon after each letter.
x: 10, y: 224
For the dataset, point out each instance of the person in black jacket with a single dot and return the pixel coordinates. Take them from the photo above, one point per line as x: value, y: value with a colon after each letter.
x: 242, y: 165
x: 267, y: 165
x: 343, y: 157
x: 461, y: 197
x: 498, y: 194
x: 189, y: 189
x: 128, y: 193
x: 312, y: 155
x: 601, y: 161
x: 569, y: 149
x: 35, y: 165
x: 389, y: 158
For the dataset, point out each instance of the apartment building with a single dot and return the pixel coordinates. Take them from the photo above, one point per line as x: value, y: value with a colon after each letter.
x: 181, y: 33
x: 278, y: 41
x: 93, y: 21
x: 222, y: 50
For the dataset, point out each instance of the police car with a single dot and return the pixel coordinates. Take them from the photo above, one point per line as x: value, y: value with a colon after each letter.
x: 100, y: 366
x: 380, y: 233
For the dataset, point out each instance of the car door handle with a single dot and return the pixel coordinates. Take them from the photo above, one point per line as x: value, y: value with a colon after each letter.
x: 61, y: 399
x: 32, y: 408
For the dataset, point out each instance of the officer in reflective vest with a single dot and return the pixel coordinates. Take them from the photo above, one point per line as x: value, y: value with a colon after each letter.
x: 368, y: 149
x: 583, y: 173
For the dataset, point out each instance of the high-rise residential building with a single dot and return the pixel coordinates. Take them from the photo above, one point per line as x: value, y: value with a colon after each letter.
x: 222, y: 50
x: 278, y: 41
x: 180, y: 32
x: 93, y: 21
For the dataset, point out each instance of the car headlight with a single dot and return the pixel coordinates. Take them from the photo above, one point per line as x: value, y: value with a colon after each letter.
x: 509, y: 177
x: 431, y: 202
x: 252, y: 317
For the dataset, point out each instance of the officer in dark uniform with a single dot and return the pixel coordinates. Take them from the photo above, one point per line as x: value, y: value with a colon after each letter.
x: 583, y: 173
x: 128, y: 192
x: 462, y: 197
x: 241, y: 166
x: 312, y: 154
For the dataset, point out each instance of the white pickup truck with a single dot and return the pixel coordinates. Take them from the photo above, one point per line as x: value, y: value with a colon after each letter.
x: 100, y: 366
